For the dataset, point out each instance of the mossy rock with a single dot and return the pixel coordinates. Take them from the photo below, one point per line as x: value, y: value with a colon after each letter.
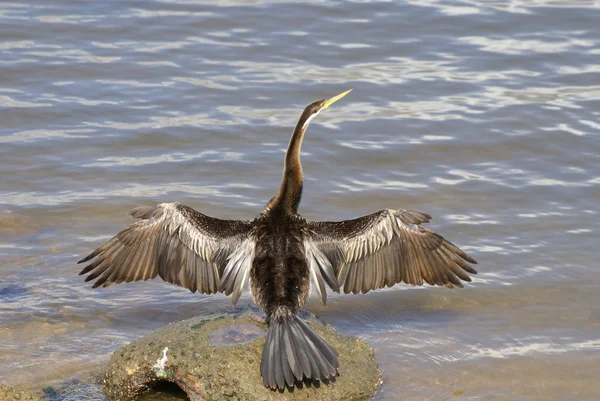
x: 218, y: 358
x: 9, y: 393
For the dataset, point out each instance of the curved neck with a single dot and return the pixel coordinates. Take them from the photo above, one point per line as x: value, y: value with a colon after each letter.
x: 290, y: 192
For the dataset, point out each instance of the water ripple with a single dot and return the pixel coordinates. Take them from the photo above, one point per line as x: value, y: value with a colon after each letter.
x: 7, y: 101
x: 125, y: 190
x: 44, y: 135
x: 208, y: 156
x: 527, y: 347
x: 525, y: 46
x: 359, y: 186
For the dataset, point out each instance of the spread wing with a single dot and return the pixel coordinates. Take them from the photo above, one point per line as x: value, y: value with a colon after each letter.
x: 182, y: 246
x: 385, y: 248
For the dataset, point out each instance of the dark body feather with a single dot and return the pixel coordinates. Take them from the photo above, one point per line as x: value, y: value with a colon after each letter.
x: 282, y: 255
x: 279, y: 275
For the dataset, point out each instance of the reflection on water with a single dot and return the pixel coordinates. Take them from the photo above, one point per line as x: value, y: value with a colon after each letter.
x: 483, y: 114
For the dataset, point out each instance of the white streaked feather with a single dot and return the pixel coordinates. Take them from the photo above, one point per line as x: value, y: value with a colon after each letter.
x: 373, y: 238
x: 318, y: 265
x: 238, y: 268
x: 188, y: 234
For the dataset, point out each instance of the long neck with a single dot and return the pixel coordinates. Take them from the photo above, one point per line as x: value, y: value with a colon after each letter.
x: 289, y: 194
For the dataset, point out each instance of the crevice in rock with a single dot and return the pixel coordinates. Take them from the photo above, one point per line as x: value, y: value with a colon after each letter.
x: 167, y: 389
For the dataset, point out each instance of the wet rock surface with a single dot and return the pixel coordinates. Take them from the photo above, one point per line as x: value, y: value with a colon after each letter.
x: 218, y: 358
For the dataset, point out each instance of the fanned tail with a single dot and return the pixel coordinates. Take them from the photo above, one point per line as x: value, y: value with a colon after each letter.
x: 294, y: 351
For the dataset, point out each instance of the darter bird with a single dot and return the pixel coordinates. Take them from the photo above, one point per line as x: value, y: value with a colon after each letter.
x: 281, y: 254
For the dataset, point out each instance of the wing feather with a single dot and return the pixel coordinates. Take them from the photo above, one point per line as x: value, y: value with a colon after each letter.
x: 388, y: 247
x: 177, y: 243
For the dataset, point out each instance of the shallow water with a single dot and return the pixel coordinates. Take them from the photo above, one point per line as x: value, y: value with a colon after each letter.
x: 484, y: 114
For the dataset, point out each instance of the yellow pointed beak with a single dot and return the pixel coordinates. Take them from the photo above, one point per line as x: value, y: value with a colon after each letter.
x: 334, y: 99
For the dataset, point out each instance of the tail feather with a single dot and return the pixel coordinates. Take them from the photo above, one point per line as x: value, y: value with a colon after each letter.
x: 326, y: 350
x: 293, y: 351
x: 278, y: 356
x: 285, y: 358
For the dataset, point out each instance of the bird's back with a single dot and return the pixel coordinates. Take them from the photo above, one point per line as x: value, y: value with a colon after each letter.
x: 279, y: 275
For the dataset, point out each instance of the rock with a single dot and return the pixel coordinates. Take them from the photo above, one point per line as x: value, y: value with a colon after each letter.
x: 9, y: 393
x: 218, y: 358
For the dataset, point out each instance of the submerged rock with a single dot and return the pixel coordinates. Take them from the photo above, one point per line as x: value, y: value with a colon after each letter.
x: 9, y: 393
x: 218, y: 358
x: 73, y: 389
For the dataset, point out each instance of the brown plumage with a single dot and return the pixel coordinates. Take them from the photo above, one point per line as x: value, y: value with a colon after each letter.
x: 281, y: 254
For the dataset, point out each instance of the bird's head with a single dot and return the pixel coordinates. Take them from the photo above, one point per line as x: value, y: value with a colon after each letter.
x: 317, y: 106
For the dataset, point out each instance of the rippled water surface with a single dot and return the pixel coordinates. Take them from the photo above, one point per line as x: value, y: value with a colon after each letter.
x: 485, y: 114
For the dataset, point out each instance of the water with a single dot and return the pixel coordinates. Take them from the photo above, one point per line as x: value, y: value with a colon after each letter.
x: 484, y: 114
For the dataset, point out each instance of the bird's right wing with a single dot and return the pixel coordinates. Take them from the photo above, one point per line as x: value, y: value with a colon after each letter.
x: 182, y: 246
x: 382, y: 249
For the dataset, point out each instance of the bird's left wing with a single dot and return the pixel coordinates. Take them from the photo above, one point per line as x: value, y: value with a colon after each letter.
x: 179, y: 244
x: 385, y: 248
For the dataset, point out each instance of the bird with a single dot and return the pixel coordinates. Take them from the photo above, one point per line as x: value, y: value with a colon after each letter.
x: 281, y: 255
